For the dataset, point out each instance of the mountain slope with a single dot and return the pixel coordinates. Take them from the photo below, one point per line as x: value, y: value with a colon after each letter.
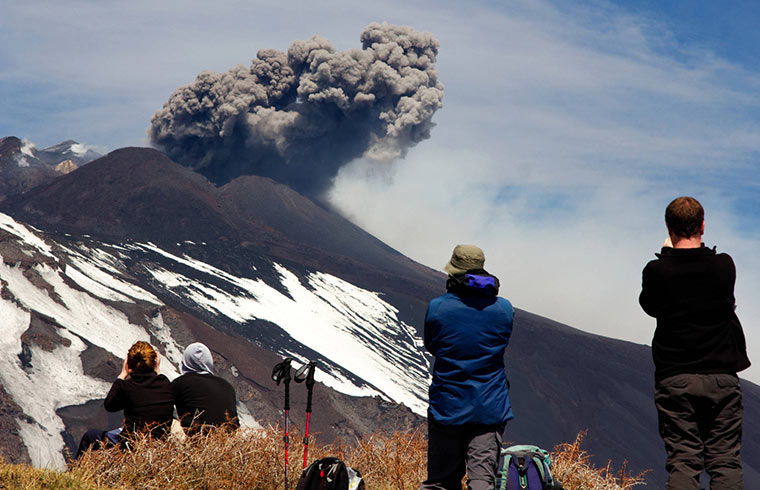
x: 258, y: 271
x: 71, y: 309
x: 23, y: 167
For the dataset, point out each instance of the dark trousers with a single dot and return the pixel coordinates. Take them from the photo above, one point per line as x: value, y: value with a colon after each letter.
x: 92, y: 439
x: 452, y: 450
x: 700, y: 419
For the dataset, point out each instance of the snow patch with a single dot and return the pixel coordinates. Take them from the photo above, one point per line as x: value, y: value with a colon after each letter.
x: 172, y: 350
x: 99, y: 273
x: 349, y: 326
x: 24, y: 234
x: 245, y: 418
x: 95, y: 287
x: 55, y: 379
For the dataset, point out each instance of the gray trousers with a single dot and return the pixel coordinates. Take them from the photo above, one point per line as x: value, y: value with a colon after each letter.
x: 452, y: 450
x: 700, y: 420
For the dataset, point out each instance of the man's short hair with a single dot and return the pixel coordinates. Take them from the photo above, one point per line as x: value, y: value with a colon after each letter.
x: 684, y: 217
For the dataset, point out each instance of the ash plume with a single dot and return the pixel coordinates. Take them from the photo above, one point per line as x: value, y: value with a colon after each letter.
x: 299, y: 116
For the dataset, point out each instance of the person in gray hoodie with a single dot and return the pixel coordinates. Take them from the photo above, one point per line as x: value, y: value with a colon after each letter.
x: 202, y: 398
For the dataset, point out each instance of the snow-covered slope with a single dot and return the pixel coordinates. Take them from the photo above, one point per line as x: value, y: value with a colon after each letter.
x: 53, y: 377
x: 349, y: 327
x: 89, y: 291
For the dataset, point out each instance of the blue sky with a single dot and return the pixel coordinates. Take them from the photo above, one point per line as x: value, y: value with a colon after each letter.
x: 566, y: 129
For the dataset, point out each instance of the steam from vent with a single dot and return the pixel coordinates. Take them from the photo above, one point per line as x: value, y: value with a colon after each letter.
x: 298, y: 117
x: 27, y: 150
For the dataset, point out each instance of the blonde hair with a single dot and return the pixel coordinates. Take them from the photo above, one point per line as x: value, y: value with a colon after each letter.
x: 142, y: 357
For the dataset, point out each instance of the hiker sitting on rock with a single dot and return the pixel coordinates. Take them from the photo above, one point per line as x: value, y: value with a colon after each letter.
x: 202, y: 399
x: 143, y: 393
x: 467, y: 330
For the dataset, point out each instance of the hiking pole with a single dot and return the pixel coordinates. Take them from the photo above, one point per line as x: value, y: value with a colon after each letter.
x: 281, y: 372
x: 306, y: 373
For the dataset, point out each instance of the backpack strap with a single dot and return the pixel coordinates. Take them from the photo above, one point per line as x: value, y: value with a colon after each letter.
x: 543, y: 471
x: 505, y: 469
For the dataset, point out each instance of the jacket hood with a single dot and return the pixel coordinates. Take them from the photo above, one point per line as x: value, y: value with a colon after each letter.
x: 473, y: 282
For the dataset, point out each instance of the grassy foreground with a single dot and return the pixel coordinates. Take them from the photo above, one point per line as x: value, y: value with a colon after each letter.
x: 254, y: 460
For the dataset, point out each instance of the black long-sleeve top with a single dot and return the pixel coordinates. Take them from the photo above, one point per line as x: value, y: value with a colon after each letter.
x: 690, y: 291
x: 147, y: 401
x: 204, y: 399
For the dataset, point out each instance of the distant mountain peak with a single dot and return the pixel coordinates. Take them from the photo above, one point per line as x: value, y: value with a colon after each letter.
x: 23, y: 166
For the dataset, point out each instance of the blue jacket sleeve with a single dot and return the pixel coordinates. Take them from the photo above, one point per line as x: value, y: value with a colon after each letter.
x: 431, y: 326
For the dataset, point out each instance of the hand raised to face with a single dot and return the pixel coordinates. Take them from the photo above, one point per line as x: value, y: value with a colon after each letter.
x: 124, y: 370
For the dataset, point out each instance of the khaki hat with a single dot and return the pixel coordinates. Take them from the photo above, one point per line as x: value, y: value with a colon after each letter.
x: 464, y: 258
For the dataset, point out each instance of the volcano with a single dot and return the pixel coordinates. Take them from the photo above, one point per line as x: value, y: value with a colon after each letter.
x: 135, y: 246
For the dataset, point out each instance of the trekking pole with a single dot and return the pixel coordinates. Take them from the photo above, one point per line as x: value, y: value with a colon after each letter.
x: 281, y: 372
x: 306, y: 373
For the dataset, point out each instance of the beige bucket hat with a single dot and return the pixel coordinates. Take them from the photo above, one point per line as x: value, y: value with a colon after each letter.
x: 464, y: 258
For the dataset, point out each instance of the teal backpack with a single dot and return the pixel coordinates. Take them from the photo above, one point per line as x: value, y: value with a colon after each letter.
x: 525, y: 468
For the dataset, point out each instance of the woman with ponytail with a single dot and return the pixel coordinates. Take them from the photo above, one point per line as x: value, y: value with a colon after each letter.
x: 143, y: 393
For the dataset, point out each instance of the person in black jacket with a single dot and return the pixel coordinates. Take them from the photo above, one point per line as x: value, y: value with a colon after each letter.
x: 143, y: 393
x: 203, y: 399
x: 698, y: 348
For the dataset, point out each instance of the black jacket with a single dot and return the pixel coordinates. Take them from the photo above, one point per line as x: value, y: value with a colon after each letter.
x: 204, y: 399
x: 691, y: 293
x: 147, y: 401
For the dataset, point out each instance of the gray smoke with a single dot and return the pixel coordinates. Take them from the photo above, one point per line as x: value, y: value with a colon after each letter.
x: 299, y: 116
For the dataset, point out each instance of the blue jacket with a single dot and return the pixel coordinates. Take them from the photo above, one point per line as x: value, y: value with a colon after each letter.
x: 467, y: 330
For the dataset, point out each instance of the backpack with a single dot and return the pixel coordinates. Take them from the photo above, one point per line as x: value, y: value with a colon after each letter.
x: 330, y: 474
x: 525, y: 468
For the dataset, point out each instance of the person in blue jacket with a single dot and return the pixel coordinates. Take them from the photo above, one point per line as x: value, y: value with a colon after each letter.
x: 467, y: 331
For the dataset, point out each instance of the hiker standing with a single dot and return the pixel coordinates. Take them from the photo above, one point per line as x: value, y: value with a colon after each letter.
x: 698, y: 348
x: 467, y: 330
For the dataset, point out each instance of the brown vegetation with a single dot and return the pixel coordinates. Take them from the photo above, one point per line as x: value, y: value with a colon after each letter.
x: 571, y: 466
x: 254, y: 460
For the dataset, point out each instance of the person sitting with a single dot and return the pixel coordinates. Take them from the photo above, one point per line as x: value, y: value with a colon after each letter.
x: 202, y: 398
x: 143, y: 393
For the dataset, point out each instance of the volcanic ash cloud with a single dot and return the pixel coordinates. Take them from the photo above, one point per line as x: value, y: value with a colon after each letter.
x: 299, y: 116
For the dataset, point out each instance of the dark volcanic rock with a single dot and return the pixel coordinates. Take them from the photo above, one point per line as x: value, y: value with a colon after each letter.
x: 42, y: 332
x: 78, y: 419
x: 99, y: 363
x: 133, y: 192
x: 12, y: 448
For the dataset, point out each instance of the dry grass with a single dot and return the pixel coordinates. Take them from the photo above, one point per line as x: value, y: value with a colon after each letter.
x: 396, y: 461
x: 254, y: 460
x: 572, y: 467
x: 23, y: 477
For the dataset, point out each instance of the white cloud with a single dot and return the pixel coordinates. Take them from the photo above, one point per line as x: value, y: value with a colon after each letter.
x: 561, y: 141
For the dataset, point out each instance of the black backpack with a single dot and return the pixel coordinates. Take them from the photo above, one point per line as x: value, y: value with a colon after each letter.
x: 330, y: 474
